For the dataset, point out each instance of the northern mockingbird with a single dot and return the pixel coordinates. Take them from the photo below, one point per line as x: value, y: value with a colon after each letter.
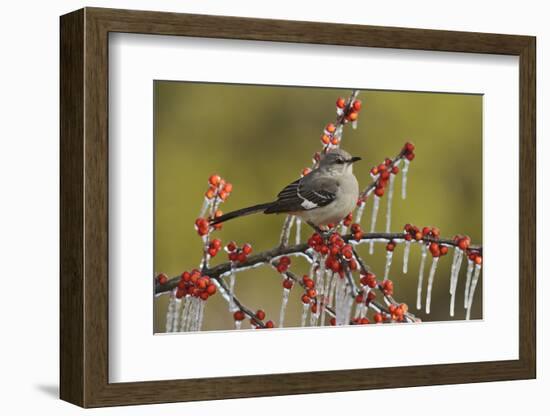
x: 324, y: 196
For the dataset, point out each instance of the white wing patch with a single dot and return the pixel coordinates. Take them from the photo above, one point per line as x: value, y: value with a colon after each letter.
x: 308, y: 204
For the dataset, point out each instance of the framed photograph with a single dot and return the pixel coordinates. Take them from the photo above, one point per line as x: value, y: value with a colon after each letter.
x: 331, y: 207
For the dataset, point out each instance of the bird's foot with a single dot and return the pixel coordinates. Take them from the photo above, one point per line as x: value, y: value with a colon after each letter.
x: 325, y: 232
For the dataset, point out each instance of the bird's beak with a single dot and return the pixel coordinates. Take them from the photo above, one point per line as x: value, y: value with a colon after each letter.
x: 354, y: 159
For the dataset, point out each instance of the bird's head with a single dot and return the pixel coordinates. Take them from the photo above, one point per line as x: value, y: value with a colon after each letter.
x: 338, y: 161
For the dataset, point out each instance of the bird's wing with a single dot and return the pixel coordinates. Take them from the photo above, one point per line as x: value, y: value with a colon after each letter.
x: 310, y: 192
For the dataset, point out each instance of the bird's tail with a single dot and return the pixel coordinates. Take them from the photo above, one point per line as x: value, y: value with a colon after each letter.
x: 241, y: 212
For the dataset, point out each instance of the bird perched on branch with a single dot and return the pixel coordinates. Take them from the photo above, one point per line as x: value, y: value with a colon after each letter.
x: 324, y: 196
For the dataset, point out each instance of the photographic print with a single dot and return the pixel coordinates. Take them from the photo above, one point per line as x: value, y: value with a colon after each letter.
x: 292, y: 207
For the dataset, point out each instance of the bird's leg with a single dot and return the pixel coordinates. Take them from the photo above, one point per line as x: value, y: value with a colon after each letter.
x: 325, y: 234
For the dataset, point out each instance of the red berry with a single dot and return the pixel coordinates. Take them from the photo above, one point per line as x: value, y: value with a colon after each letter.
x: 212, y: 252
x: 464, y: 243
x: 378, y: 318
x: 247, y: 249
x: 357, y: 105
x: 162, y: 278
x: 260, y: 314
x: 311, y: 293
x: 211, y: 193
x: 333, y: 321
x: 288, y: 283
x: 325, y: 139
x: 305, y: 299
x: 390, y: 246
x: 238, y: 315
x: 231, y: 246
x: 331, y: 128
x: 180, y: 293
x: 478, y: 260
x: 340, y: 102
x: 269, y: 324
x: 353, y: 116
x: 409, y: 147
x: 214, y: 180
x: 228, y: 187
x: 211, y: 289
x: 379, y: 192
x: 443, y: 250
x: 204, y: 295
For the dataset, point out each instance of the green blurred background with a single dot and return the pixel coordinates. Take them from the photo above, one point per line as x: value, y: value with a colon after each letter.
x: 260, y: 137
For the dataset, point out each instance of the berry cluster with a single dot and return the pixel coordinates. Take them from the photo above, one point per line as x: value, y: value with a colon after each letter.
x: 382, y: 173
x: 218, y: 191
x: 194, y: 284
x: 347, y: 112
x: 408, y: 151
x: 283, y: 264
x: 218, y: 187
x: 214, y: 246
x: 413, y: 232
x: 236, y: 254
x: 356, y: 231
x: 398, y: 311
x: 463, y: 242
x: 337, y: 251
x: 309, y: 292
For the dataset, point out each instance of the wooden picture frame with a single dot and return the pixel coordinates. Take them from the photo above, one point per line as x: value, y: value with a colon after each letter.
x: 84, y: 207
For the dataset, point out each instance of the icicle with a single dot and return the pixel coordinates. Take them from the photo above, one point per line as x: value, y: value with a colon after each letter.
x: 298, y: 230
x: 421, y: 277
x: 359, y: 212
x: 406, y: 256
x: 431, y: 277
x: 373, y: 220
x: 238, y: 324
x: 404, y: 171
x: 284, y: 302
x: 469, y: 271
x: 177, y: 314
x: 184, y: 312
x: 232, y: 276
x: 454, y: 282
x: 472, y: 290
x: 389, y: 256
x: 305, y: 307
x: 171, y: 313
x: 200, y: 317
x: 389, y: 202
x: 327, y: 297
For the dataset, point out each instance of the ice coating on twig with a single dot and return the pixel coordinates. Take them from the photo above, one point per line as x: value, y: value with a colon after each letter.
x: 298, y: 230
x: 232, y: 278
x: 431, y: 277
x: 375, y: 207
x: 421, y: 277
x: 359, y: 212
x: 404, y: 172
x: 287, y: 227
